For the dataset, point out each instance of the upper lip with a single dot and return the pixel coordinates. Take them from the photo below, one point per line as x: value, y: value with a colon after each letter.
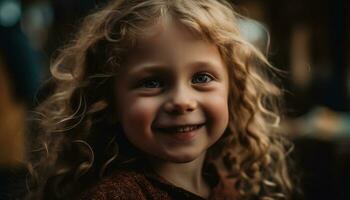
x: 176, y: 125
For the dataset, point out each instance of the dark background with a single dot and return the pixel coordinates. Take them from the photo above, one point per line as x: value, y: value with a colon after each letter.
x: 309, y: 40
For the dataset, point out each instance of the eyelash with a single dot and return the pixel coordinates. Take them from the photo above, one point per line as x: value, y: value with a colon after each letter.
x: 157, y: 83
x: 151, y: 80
x: 211, y: 78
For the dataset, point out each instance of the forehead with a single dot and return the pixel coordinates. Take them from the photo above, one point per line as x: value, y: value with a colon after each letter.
x: 171, y: 41
x: 167, y: 30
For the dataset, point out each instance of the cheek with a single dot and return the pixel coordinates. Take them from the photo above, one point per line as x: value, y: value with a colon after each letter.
x: 217, y: 109
x: 138, y: 114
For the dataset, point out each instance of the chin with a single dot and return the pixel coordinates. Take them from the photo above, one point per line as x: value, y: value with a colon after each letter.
x: 185, y: 158
x: 182, y: 160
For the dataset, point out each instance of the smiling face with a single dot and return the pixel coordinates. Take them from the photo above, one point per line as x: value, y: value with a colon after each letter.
x: 172, y: 95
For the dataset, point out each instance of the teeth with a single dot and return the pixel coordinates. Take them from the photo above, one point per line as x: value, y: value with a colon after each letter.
x: 183, y: 129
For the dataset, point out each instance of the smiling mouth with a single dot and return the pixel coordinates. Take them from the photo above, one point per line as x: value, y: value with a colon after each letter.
x: 180, y: 129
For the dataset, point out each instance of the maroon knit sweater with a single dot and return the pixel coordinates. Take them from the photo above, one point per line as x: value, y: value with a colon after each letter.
x: 136, y: 185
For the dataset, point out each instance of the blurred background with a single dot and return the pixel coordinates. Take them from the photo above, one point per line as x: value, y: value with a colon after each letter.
x: 308, y: 39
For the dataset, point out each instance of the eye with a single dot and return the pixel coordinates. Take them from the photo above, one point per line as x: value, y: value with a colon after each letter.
x: 202, y: 78
x: 150, y: 83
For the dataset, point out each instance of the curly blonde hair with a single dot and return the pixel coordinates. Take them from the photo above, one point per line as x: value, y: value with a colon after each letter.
x: 75, y: 138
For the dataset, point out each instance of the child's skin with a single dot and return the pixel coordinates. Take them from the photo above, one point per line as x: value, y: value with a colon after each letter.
x: 171, y: 79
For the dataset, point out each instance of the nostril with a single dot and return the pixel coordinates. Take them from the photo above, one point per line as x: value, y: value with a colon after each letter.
x: 177, y: 110
x: 180, y: 108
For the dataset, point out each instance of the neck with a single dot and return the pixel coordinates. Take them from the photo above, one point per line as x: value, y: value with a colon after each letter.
x: 185, y: 175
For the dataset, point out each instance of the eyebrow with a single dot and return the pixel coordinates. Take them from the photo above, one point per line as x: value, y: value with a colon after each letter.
x: 147, y: 68
x: 155, y: 67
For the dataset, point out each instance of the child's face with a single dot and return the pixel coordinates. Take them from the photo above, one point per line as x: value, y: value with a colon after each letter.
x: 172, y: 95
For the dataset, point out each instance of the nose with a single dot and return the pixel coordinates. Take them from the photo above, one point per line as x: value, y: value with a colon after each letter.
x: 180, y: 101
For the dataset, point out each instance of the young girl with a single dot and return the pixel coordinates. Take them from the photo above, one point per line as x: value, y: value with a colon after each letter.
x: 160, y: 99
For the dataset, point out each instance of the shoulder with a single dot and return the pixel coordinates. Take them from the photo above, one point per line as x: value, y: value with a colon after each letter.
x: 121, y: 185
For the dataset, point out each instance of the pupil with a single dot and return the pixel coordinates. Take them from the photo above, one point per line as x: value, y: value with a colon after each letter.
x: 201, y: 79
x: 151, y: 84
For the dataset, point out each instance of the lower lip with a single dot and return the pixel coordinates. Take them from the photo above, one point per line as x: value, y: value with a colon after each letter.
x: 184, y: 136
